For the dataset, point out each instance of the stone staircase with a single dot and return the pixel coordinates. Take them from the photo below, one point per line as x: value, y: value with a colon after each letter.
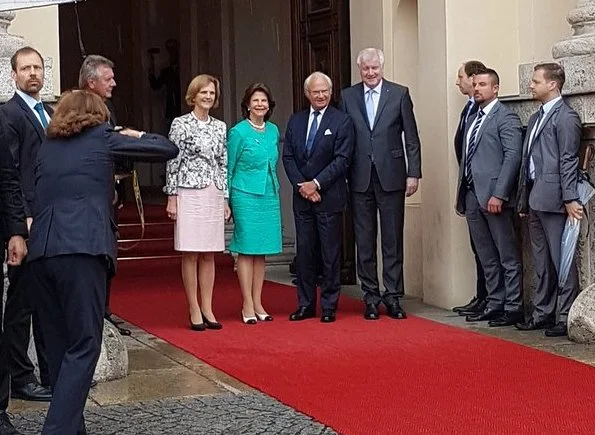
x: 158, y: 240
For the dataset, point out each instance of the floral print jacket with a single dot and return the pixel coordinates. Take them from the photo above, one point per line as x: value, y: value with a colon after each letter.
x: 202, y: 159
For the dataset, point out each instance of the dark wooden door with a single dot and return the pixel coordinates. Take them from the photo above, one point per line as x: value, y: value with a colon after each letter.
x: 321, y: 42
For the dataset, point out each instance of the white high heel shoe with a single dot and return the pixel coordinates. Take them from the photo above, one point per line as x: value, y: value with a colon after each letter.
x: 248, y: 320
x: 264, y: 317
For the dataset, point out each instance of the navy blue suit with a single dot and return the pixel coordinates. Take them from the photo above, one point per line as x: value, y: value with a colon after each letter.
x: 327, y: 162
x: 24, y: 135
x: 72, y: 251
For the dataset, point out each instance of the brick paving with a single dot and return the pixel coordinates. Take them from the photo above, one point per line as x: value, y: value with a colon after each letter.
x: 223, y: 414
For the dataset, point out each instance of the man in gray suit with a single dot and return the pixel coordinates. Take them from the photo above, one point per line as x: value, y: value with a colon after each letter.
x: 380, y: 178
x: 486, y: 195
x: 548, y: 194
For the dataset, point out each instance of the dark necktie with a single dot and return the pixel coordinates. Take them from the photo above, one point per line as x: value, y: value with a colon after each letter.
x: 39, y: 109
x: 530, y: 169
x: 312, y: 134
x: 472, y: 147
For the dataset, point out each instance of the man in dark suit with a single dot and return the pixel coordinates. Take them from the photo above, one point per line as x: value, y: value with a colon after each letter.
x: 72, y: 246
x: 486, y: 196
x: 26, y: 117
x: 97, y: 75
x: 380, y: 178
x: 316, y: 154
x: 14, y: 229
x: 465, y: 84
x: 548, y: 194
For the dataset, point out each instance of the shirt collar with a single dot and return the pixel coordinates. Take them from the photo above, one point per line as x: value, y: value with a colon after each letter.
x: 486, y: 110
x: 312, y: 110
x: 31, y: 102
x: 378, y: 87
x: 550, y: 104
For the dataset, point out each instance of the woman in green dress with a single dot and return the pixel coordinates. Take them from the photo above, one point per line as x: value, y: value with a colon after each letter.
x: 252, y: 149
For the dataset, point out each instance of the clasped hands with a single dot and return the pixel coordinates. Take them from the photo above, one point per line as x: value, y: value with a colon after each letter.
x: 309, y: 191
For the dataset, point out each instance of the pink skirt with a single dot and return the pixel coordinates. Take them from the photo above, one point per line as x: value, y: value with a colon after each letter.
x: 200, y: 225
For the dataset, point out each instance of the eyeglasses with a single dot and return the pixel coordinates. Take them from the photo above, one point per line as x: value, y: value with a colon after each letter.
x: 321, y: 93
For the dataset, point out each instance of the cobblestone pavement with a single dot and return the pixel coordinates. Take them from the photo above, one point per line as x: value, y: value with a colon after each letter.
x: 228, y: 414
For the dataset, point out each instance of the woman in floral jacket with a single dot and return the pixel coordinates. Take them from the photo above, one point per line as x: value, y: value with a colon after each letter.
x: 196, y: 185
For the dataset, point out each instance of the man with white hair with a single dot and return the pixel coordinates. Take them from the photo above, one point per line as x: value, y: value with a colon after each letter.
x: 316, y: 154
x: 385, y: 169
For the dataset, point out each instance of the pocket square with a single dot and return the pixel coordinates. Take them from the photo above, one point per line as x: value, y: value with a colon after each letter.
x: 327, y: 132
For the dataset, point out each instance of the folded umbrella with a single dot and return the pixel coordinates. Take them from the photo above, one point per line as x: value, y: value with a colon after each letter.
x: 572, y: 228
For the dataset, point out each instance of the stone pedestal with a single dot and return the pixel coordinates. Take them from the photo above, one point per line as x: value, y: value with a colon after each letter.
x: 8, y: 45
x: 581, y: 319
x: 113, y: 361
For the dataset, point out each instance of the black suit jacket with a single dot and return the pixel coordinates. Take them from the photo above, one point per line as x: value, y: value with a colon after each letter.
x: 11, y: 199
x: 72, y: 211
x: 24, y: 136
x: 328, y: 160
x: 460, y: 135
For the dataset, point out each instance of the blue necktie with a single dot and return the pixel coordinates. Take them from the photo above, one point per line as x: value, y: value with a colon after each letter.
x: 370, y: 107
x: 312, y: 134
x: 472, y: 147
x: 39, y: 109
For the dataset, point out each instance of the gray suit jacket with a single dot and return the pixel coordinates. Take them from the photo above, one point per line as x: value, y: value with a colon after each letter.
x: 555, y: 153
x: 383, y: 143
x: 495, y: 164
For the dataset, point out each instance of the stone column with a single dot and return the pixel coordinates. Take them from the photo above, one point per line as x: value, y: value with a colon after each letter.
x: 8, y: 45
x: 582, y: 20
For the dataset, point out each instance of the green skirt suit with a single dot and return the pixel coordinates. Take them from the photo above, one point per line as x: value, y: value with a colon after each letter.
x: 254, y: 189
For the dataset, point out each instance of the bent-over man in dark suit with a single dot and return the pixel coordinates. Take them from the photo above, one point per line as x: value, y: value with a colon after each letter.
x: 379, y: 178
x: 14, y: 229
x: 26, y: 117
x: 486, y: 195
x: 548, y: 194
x: 465, y: 84
x: 97, y: 75
x: 72, y: 246
x: 316, y: 155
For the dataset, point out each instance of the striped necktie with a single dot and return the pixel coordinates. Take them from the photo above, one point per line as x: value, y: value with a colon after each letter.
x: 472, y: 147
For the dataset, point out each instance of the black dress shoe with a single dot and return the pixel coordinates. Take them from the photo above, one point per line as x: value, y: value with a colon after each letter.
x: 395, y: 311
x: 479, y: 307
x: 509, y: 318
x: 211, y: 325
x: 468, y: 306
x: 486, y: 314
x: 302, y: 313
x: 31, y: 391
x: 371, y: 312
x: 532, y: 325
x: 6, y: 427
x: 559, y: 330
x: 328, y: 317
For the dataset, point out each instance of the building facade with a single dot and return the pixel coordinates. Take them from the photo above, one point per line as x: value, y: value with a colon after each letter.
x: 425, y: 42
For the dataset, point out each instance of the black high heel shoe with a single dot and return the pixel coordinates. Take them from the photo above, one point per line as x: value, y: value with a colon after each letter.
x: 197, y: 326
x: 209, y: 324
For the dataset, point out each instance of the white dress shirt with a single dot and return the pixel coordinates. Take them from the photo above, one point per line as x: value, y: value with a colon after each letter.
x: 31, y: 102
x: 546, y: 109
x: 486, y: 110
x: 375, y: 95
x: 310, y: 120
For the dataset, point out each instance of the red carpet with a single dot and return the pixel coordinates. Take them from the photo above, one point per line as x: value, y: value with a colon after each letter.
x: 358, y: 377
